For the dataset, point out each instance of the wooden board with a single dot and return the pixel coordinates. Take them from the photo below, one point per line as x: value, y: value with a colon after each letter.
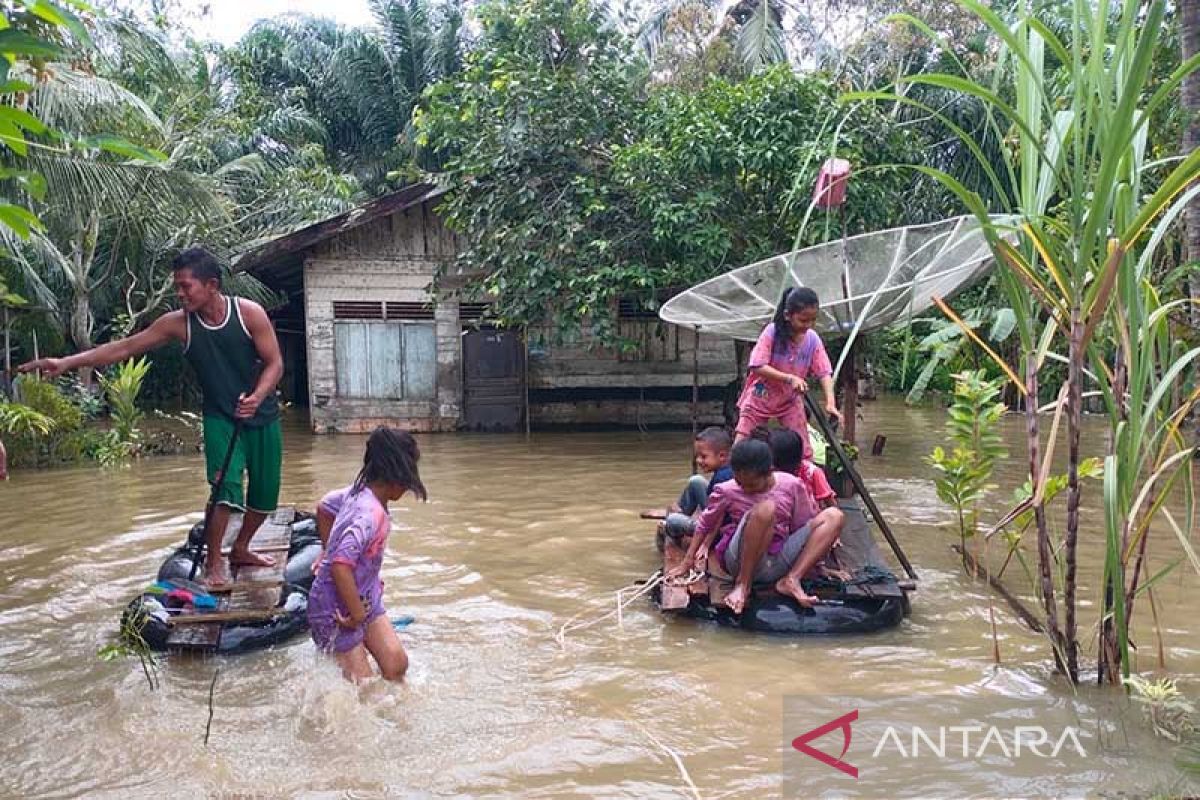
x: 233, y: 615
x: 674, y: 598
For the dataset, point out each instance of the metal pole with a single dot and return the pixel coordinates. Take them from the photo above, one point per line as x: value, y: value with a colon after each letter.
x: 815, y: 413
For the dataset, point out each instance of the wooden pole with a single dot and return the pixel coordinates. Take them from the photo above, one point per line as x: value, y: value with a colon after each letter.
x: 814, y: 412
x: 7, y: 344
x: 849, y: 380
x: 695, y: 390
x: 525, y: 380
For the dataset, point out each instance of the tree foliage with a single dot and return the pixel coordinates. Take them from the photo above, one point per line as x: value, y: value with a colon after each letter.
x: 574, y: 184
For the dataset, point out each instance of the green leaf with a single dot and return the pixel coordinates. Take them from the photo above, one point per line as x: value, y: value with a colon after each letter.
x: 122, y: 147
x: 17, y: 42
x: 21, y: 220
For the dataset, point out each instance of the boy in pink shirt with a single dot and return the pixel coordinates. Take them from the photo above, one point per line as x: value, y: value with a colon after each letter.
x: 763, y: 526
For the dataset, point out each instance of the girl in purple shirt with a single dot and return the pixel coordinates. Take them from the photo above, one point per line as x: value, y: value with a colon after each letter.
x: 788, y: 351
x: 345, y: 607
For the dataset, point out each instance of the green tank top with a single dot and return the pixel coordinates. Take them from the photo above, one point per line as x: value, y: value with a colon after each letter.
x: 224, y: 358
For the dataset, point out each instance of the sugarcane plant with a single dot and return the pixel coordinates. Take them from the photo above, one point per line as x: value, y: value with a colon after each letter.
x: 1089, y: 213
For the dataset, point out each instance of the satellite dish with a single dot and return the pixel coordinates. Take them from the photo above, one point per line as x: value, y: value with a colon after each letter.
x: 870, y: 280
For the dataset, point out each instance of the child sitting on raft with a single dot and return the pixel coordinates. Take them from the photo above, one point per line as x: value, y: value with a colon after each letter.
x: 345, y: 606
x: 786, y: 449
x: 763, y: 525
x: 711, y: 452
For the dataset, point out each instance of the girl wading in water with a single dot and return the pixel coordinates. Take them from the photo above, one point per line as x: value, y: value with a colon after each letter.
x: 345, y: 607
x: 788, y: 352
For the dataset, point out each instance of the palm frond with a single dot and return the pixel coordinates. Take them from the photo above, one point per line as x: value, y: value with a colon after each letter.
x: 760, y: 40
x: 81, y: 103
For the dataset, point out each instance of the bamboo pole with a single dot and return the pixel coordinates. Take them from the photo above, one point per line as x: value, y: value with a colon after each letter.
x: 836, y: 446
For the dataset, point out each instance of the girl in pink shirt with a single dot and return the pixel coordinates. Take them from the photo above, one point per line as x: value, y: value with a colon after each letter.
x: 763, y: 527
x: 787, y: 352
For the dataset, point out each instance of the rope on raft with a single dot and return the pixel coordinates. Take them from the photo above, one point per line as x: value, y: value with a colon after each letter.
x: 639, y: 589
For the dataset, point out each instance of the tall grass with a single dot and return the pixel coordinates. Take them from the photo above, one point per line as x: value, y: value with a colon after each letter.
x: 1079, y: 280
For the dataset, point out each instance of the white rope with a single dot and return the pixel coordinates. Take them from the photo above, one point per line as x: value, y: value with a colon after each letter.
x: 622, y: 602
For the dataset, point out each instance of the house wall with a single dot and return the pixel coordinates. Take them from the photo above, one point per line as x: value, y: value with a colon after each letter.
x: 396, y: 258
x: 576, y: 382
x: 391, y: 259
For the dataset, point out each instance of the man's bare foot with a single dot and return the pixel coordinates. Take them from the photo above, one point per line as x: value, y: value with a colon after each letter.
x: 248, y: 558
x: 790, y: 587
x: 736, y: 599
x: 216, y: 575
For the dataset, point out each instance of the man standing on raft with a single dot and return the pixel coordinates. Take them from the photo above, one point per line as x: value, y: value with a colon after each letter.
x: 223, y: 339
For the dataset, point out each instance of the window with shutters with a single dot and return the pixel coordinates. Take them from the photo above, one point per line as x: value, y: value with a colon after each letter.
x: 643, y: 335
x: 385, y: 351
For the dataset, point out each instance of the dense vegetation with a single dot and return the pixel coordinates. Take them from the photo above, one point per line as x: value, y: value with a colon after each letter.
x: 591, y: 157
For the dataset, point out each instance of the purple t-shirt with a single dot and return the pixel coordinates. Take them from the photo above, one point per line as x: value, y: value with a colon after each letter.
x: 357, y: 539
x: 729, y: 502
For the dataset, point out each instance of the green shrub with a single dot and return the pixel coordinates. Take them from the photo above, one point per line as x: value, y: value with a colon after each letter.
x: 62, y: 443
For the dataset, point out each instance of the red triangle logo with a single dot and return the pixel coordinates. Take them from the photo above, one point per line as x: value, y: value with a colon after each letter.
x: 843, y: 722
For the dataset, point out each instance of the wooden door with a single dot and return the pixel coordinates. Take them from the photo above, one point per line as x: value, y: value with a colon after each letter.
x: 493, y: 380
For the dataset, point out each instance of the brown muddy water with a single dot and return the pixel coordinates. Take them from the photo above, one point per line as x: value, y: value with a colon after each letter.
x: 518, y: 536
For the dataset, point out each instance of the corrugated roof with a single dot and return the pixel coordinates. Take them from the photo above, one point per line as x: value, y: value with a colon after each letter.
x: 272, y: 256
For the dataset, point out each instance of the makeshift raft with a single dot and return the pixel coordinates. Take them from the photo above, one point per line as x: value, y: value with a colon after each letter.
x: 261, y: 607
x: 873, y: 599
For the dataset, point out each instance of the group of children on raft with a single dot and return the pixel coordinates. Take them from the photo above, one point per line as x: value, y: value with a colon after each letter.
x: 766, y: 515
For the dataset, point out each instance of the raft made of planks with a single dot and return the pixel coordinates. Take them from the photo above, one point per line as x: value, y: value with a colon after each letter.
x: 251, y: 596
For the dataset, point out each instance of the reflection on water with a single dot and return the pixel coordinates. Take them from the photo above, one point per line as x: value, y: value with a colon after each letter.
x: 518, y: 536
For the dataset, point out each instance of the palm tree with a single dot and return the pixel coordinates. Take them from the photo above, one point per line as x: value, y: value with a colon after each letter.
x: 359, y: 86
x: 757, y: 27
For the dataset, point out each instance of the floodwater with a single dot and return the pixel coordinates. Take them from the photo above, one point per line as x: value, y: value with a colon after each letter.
x: 518, y: 537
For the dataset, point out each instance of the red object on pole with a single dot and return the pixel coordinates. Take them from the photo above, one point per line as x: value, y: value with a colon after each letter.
x: 830, y: 191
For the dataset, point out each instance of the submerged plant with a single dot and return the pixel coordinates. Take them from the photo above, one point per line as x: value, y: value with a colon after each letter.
x: 122, y: 388
x: 1169, y: 713
x: 1088, y: 213
x: 964, y: 472
x: 131, y: 644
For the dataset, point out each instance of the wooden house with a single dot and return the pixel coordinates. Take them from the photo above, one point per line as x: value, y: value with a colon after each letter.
x: 374, y: 332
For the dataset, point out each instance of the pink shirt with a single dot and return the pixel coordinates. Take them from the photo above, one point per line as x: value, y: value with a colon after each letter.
x: 729, y: 502
x: 818, y: 484
x: 806, y: 358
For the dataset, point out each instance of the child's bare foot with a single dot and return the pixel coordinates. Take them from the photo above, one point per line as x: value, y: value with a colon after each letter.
x: 736, y: 599
x: 833, y: 572
x: 245, y: 557
x: 790, y: 587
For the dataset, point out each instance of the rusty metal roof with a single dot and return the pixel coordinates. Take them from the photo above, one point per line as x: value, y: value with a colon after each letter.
x: 274, y: 262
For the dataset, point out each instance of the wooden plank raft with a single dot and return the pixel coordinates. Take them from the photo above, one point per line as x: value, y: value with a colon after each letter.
x: 251, y: 597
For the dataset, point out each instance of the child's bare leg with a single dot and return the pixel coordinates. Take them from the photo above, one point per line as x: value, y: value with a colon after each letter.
x: 823, y: 532
x: 384, y: 644
x: 355, y: 666
x: 756, y: 536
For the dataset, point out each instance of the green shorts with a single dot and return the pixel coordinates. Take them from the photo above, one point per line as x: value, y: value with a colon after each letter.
x: 258, y: 452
